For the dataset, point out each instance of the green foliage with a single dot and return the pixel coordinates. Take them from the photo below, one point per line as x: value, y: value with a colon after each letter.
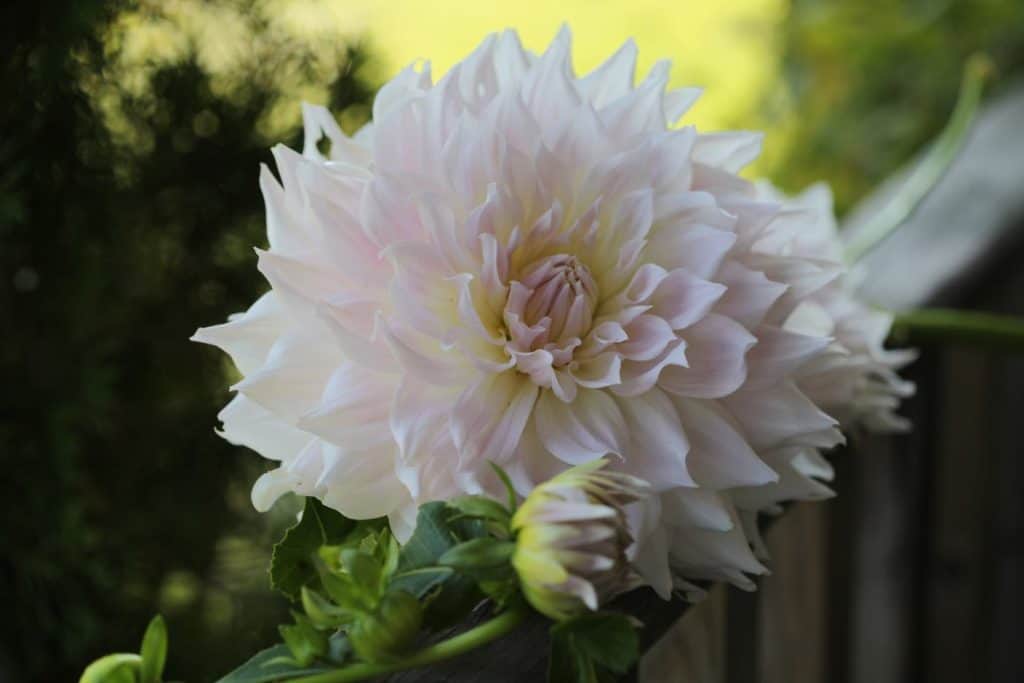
x: 126, y: 501
x: 390, y: 630
x: 145, y: 667
x: 869, y: 82
x: 306, y: 642
x: 292, y: 564
x: 116, y: 668
x: 271, y: 665
x: 153, y: 651
x: 486, y: 558
x: 592, y: 648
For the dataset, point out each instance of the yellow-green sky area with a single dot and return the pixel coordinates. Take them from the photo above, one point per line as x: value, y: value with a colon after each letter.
x: 726, y: 46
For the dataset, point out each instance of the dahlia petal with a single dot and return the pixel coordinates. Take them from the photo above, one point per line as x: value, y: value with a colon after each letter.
x: 247, y: 337
x: 613, y: 78
x: 698, y: 249
x: 649, y: 555
x: 488, y: 418
x: 640, y: 377
x: 318, y: 123
x: 715, y: 349
x: 354, y: 410
x: 246, y: 423
x: 730, y: 151
x: 269, y: 487
x: 292, y: 380
x: 780, y: 353
x: 750, y: 294
x: 682, y: 299
x: 303, y: 283
x: 658, y: 447
x: 781, y: 415
x: 362, y: 485
x: 678, y: 102
x: 422, y: 357
x: 603, y: 370
x: 587, y: 428
x: 699, y: 508
x: 648, y: 336
x: 353, y: 322
x: 720, y: 458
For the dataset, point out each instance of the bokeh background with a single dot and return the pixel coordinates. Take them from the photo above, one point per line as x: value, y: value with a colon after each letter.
x: 130, y: 139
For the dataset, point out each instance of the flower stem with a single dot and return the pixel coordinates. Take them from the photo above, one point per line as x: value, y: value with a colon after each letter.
x: 453, y: 647
x: 932, y: 167
x: 989, y: 330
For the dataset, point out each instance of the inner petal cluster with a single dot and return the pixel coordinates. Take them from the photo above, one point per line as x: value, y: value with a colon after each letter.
x: 551, y: 307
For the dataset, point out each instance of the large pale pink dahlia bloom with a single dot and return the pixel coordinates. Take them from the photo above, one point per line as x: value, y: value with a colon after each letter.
x: 855, y: 379
x: 518, y: 266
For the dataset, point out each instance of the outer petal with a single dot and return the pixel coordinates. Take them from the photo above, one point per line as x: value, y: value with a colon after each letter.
x: 716, y: 347
x: 587, y: 428
x: 658, y: 447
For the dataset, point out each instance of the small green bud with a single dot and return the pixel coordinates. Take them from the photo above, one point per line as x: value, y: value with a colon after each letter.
x: 388, y: 632
x: 304, y: 640
x: 117, y: 668
x: 571, y: 540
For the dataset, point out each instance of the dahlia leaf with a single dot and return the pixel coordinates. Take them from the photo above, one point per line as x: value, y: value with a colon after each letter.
x: 431, y: 539
x: 420, y: 581
x: 153, y: 651
x: 592, y: 647
x: 270, y: 665
x: 291, y: 564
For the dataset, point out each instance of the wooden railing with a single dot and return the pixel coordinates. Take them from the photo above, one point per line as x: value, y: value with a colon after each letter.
x: 915, y: 572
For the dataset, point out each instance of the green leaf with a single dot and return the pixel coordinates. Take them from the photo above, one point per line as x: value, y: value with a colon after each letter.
x: 487, y: 558
x: 610, y: 640
x: 364, y: 569
x: 325, y: 614
x: 435, y: 534
x: 420, y: 581
x: 304, y: 640
x: 271, y: 665
x: 153, y: 651
x: 431, y: 539
x: 482, y: 507
x: 291, y: 565
x: 116, y: 668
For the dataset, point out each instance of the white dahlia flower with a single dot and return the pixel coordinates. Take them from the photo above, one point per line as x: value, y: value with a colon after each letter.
x: 518, y: 266
x: 855, y: 379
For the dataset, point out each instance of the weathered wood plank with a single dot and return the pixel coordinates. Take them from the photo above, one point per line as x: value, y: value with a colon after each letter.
x: 694, y: 650
x: 793, y: 602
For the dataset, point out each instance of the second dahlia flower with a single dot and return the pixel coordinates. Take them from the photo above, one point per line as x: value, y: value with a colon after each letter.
x: 520, y: 266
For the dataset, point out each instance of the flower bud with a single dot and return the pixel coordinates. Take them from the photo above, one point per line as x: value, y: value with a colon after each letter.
x: 571, y: 540
x: 390, y: 630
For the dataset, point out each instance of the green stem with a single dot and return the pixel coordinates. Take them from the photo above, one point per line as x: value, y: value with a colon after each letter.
x: 968, y: 327
x: 453, y: 647
x: 931, y: 168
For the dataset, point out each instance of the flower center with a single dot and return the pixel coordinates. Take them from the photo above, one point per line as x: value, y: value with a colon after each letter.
x: 551, y: 306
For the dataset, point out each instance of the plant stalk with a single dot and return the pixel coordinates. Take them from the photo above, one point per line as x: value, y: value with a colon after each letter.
x: 453, y: 647
x: 987, y: 330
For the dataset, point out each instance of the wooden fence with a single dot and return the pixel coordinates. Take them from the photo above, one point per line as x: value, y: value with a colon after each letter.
x: 914, y: 573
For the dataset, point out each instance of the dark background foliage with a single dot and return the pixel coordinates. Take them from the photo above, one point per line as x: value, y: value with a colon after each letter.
x: 116, y: 242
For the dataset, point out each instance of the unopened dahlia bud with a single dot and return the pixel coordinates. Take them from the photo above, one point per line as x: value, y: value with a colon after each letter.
x: 390, y: 630
x: 571, y: 539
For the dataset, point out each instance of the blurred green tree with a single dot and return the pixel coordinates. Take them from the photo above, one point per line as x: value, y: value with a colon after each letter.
x: 868, y: 82
x: 128, y: 209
